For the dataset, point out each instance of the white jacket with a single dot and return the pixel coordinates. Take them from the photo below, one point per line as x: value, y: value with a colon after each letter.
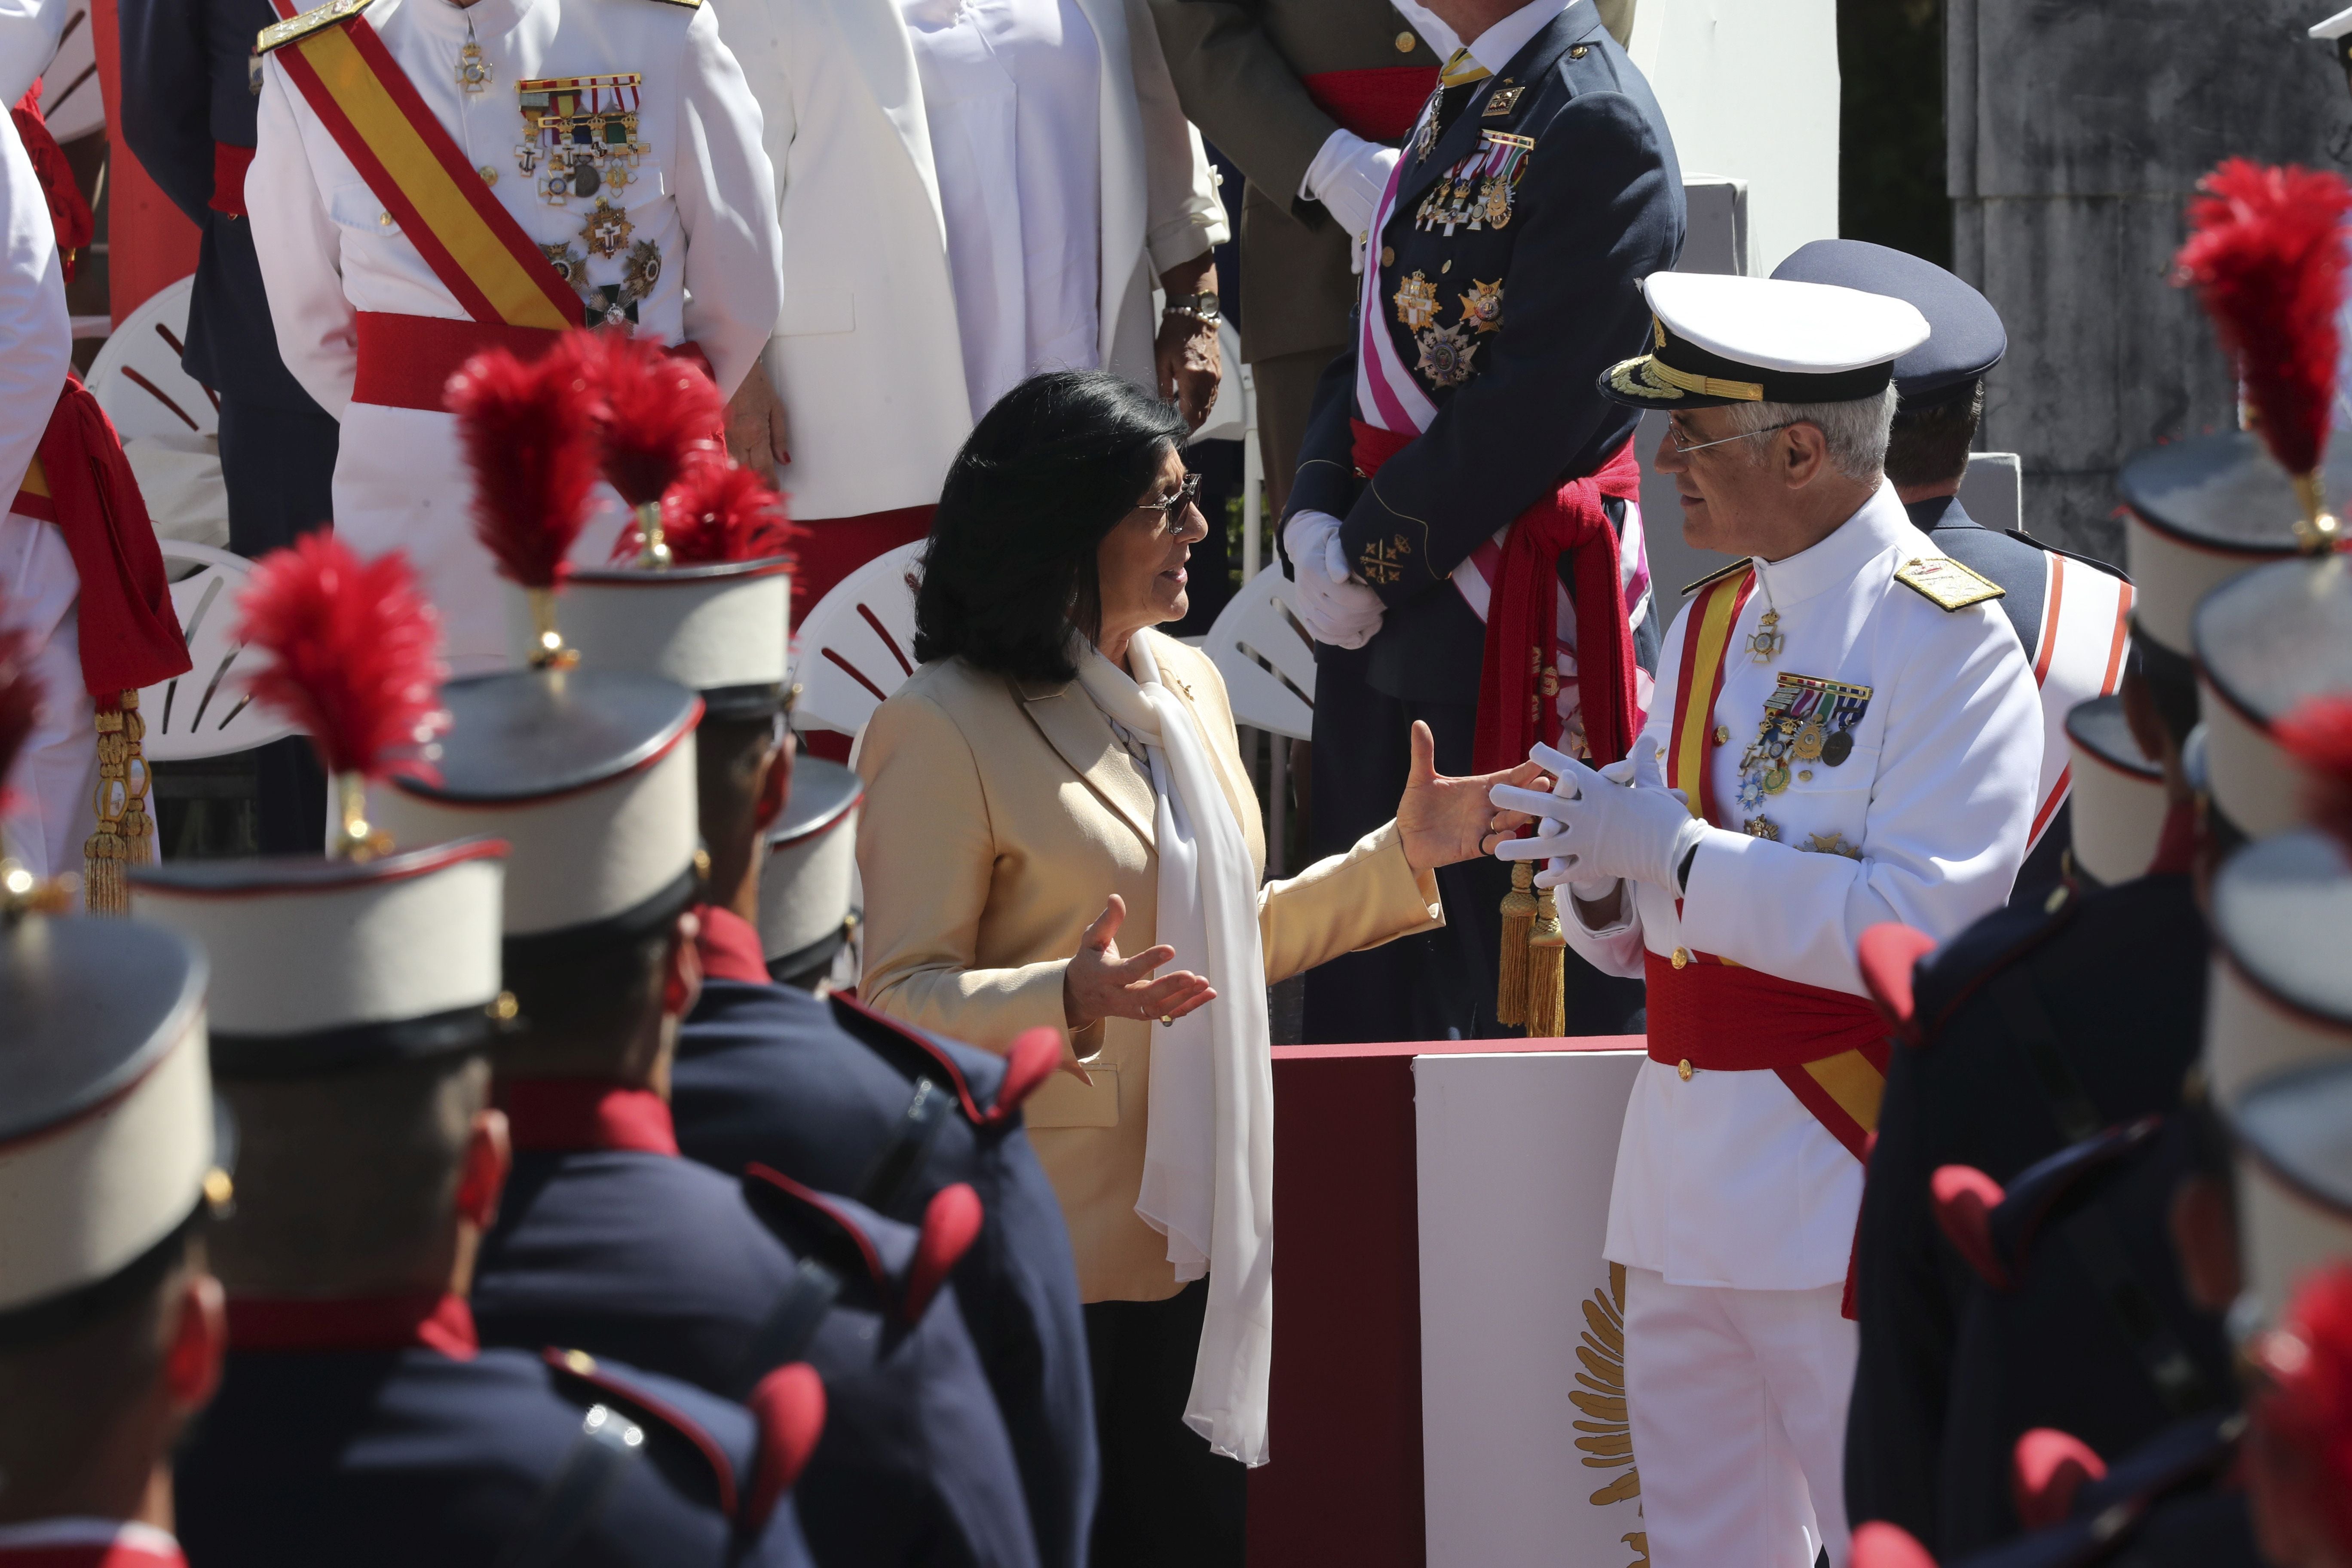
x: 866, y: 354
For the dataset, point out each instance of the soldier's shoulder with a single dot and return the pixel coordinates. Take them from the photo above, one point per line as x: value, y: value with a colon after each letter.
x: 1955, y: 973
x: 297, y: 27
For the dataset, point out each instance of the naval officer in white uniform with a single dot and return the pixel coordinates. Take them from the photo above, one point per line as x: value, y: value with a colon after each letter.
x: 1850, y: 736
x: 619, y: 134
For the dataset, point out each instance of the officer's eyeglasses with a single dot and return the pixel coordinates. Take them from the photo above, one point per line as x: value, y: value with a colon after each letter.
x: 1172, y: 508
x: 1685, y: 449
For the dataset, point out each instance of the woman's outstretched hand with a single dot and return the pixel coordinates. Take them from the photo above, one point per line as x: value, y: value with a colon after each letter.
x: 1441, y: 819
x: 1099, y: 983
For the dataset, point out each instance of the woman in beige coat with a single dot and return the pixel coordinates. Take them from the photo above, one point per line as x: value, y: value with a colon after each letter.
x: 1058, y: 786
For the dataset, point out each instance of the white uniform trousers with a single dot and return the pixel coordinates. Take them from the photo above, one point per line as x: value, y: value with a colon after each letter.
x: 1738, y: 1400
x: 49, y: 810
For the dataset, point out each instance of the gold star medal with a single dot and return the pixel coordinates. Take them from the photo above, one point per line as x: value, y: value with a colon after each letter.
x: 1482, y: 308
x: 607, y: 231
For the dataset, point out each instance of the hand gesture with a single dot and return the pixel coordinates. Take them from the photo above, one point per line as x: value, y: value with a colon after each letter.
x: 1099, y: 983
x: 1441, y: 819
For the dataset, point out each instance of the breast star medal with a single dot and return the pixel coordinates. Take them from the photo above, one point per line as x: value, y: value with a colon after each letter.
x: 1482, y: 308
x: 1445, y: 355
x: 608, y: 228
x: 1416, y: 302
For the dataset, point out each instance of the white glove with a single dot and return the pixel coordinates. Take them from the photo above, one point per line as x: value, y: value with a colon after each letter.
x: 1337, y: 611
x: 1640, y: 830
x: 1348, y: 176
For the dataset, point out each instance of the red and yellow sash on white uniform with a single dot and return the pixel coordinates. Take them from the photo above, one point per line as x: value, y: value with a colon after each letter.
x: 1709, y: 1012
x: 495, y: 270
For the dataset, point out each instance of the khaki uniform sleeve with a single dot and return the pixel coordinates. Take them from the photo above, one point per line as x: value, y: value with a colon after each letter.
x: 1344, y: 904
x: 927, y: 855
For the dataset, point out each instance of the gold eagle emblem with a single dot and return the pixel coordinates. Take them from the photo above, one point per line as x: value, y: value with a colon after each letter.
x: 1601, y: 1399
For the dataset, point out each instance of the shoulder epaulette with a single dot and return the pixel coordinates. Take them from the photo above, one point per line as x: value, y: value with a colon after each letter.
x: 579, y: 1373
x: 277, y: 34
x: 1027, y: 1064
x: 683, y: 4
x: 1739, y: 566
x: 1946, y: 584
x: 2109, y: 567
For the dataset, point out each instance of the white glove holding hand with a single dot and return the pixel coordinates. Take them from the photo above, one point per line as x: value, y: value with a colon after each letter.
x: 1348, y: 176
x: 1336, y: 609
x: 1597, y: 827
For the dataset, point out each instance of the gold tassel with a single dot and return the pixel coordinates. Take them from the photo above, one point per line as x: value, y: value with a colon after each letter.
x: 1547, y: 972
x: 1518, y: 920
x: 653, y: 550
x: 547, y: 649
x: 2317, y: 531
x: 125, y: 835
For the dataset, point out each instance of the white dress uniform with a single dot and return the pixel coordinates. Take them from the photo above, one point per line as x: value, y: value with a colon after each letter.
x: 1902, y: 790
x: 703, y: 193
x: 49, y: 806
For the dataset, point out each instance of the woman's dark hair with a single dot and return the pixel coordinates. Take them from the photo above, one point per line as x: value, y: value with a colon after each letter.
x: 1059, y: 461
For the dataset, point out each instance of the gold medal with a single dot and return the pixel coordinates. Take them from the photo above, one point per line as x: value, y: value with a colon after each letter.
x: 1416, y: 302
x: 1775, y: 779
x: 607, y: 230
x: 1765, y: 646
x: 1810, y: 740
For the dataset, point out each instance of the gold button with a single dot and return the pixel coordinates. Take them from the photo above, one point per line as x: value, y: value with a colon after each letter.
x: 1684, y: 1067
x: 489, y: 175
x: 384, y: 219
x: 1447, y: 268
x: 1578, y: 52
x: 1682, y: 957
x: 1723, y: 734
x: 581, y: 1361
x: 1805, y: 776
x: 1387, y: 256
x: 1405, y: 42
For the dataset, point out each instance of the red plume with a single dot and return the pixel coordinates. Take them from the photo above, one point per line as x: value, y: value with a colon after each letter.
x: 529, y: 437
x: 655, y: 412
x: 354, y: 653
x: 20, y: 699
x: 717, y: 511
x: 2317, y: 733
x: 2266, y: 256
x: 2307, y: 1407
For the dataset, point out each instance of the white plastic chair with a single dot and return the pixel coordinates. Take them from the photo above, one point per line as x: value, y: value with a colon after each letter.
x: 857, y: 647
x: 1260, y: 648
x: 205, y: 712
x: 137, y: 377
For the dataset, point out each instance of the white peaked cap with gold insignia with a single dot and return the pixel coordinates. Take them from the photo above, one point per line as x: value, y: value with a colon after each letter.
x: 319, y: 965
x: 106, y: 1114
x: 2264, y: 642
x: 2119, y: 800
x: 810, y: 880
x: 719, y: 629
x: 584, y: 774
x: 1719, y: 339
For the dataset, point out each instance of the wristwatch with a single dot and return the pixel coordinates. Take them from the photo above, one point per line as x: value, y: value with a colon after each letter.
x: 1201, y: 307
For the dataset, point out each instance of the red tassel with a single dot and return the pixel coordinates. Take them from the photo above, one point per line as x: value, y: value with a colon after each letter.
x: 2317, y: 733
x: 2266, y: 256
x: 655, y: 414
x: 717, y: 511
x: 529, y: 437
x: 354, y: 654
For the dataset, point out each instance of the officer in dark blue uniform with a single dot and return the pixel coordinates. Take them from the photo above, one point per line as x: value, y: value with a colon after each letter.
x: 1539, y: 188
x: 2069, y: 612
x: 608, y: 1240
x: 826, y: 1098
x: 2036, y: 1027
x: 190, y: 83
x: 358, y: 1420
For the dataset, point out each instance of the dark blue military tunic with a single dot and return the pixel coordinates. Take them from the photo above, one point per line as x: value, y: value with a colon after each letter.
x: 843, y: 1100
x: 2034, y: 1027
x: 392, y: 1459
x: 1506, y: 327
x: 635, y: 1252
x: 2172, y: 1502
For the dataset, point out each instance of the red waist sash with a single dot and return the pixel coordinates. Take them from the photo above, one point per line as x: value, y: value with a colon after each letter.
x: 405, y: 361
x: 1380, y: 104
x: 1722, y: 1018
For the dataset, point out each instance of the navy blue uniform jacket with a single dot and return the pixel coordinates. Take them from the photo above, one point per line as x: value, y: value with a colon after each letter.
x: 823, y: 1093
x: 659, y: 1260
x: 394, y: 1458
x: 1599, y: 208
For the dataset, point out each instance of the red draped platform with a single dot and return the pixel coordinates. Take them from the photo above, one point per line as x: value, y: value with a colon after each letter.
x: 1345, y: 1482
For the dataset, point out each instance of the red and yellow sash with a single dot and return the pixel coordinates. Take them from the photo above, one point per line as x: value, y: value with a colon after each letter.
x: 1712, y: 1014
x: 407, y: 158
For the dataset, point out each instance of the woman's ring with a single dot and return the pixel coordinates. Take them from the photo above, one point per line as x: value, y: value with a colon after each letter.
x: 1166, y: 1022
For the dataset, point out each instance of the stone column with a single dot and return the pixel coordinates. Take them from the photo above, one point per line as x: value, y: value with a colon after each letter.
x: 2076, y: 136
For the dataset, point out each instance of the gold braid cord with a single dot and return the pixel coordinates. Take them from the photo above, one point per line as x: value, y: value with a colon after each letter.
x: 125, y: 835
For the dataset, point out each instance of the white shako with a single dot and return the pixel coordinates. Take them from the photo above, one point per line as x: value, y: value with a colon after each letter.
x: 718, y: 628
x: 2294, y: 1134
x: 370, y: 953
x: 106, y: 1115
x: 2264, y: 642
x: 809, y: 885
x: 2120, y: 799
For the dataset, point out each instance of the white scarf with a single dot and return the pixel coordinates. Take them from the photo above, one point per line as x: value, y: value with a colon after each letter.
x: 1208, y: 1152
